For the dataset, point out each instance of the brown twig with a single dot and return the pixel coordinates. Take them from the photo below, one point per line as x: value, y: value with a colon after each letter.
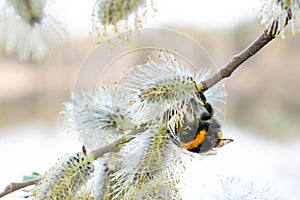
x: 117, y: 145
x: 12, y: 187
x: 237, y: 60
x: 114, y: 146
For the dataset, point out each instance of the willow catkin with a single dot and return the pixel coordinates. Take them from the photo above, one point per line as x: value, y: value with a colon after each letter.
x: 113, y: 17
x: 148, y: 167
x: 94, y: 118
x: 65, y: 179
x: 111, y: 12
x: 276, y: 14
x: 148, y: 90
x: 28, y: 30
x: 31, y: 11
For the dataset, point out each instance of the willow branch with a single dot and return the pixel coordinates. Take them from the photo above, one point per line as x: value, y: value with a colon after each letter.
x: 237, y: 60
x: 114, y: 146
x: 117, y: 145
x: 12, y: 187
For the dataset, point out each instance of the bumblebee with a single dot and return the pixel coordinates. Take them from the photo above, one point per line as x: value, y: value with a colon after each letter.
x: 199, y: 133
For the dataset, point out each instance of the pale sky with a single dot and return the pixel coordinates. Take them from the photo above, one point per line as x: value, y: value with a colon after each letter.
x: 201, y: 14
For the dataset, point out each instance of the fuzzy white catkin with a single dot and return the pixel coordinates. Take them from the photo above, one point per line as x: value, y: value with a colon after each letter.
x: 65, y: 179
x: 92, y: 116
x: 110, y: 12
x: 148, y: 167
x: 150, y: 89
x: 28, y: 30
x: 112, y: 17
x: 29, y: 10
x: 274, y: 13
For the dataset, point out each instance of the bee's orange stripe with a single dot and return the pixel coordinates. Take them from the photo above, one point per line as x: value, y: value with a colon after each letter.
x: 196, y: 142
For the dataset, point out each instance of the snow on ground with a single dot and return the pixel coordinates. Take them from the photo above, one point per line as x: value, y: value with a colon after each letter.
x: 250, y: 157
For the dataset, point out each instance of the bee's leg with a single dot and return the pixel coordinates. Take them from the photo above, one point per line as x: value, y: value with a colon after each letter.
x: 201, y: 96
x: 210, y: 153
x: 207, y: 116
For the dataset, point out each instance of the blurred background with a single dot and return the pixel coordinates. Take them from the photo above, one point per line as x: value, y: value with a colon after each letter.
x: 263, y: 104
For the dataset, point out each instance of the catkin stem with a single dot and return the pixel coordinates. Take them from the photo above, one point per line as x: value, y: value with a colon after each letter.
x: 115, y: 146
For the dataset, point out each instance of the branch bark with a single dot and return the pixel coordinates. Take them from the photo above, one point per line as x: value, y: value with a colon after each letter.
x: 237, y: 60
x: 114, y: 146
x: 12, y: 187
x: 117, y: 145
